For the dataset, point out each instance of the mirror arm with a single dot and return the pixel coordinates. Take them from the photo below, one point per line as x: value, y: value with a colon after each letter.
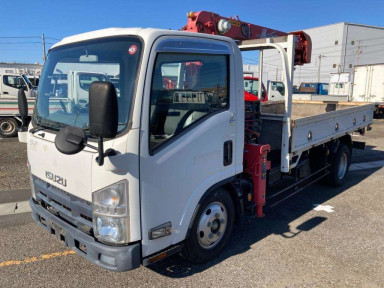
x: 100, y: 149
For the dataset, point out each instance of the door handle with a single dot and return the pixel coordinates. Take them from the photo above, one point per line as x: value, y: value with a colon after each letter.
x: 228, y: 151
x: 232, y: 119
x: 5, y: 92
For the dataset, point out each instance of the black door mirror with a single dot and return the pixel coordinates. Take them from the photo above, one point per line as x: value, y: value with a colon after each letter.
x: 103, y: 114
x: 22, y: 103
x: 103, y: 110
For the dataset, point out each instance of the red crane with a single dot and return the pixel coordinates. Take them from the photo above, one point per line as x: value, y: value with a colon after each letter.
x: 212, y: 23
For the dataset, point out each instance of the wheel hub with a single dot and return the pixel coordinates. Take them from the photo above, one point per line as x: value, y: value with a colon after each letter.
x: 6, y: 127
x: 212, y: 225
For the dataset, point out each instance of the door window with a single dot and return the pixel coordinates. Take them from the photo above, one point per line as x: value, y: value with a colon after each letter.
x: 278, y: 86
x: 186, y: 88
x: 14, y: 81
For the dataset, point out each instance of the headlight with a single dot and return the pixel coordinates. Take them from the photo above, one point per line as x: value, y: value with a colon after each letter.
x: 31, y: 181
x: 110, y: 213
x: 112, y: 230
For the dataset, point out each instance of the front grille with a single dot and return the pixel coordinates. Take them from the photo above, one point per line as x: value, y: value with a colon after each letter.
x: 68, y: 207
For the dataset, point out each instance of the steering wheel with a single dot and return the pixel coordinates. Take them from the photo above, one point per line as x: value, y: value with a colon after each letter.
x: 63, y: 106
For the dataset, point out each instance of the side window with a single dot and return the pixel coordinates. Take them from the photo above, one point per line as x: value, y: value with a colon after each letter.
x: 14, y: 81
x: 340, y: 85
x: 186, y: 88
x: 278, y: 86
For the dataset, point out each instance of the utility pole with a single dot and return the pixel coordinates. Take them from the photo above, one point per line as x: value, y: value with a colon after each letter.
x: 358, y: 51
x: 319, y: 67
x: 43, y: 42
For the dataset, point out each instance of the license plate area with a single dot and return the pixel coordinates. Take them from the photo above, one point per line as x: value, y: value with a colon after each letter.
x: 57, y: 231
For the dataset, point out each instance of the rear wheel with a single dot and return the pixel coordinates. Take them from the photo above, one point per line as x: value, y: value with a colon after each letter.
x: 340, y: 166
x: 8, y: 127
x: 211, y: 228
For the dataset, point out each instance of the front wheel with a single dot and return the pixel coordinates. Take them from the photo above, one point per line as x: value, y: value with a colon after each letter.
x: 211, y: 228
x: 8, y: 127
x: 340, y: 166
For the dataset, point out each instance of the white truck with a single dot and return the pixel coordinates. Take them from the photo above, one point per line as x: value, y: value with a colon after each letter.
x: 9, y: 114
x: 154, y: 170
x: 368, y: 86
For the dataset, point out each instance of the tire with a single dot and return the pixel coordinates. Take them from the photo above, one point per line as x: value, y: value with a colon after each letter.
x: 340, y: 166
x: 211, y: 229
x: 8, y: 127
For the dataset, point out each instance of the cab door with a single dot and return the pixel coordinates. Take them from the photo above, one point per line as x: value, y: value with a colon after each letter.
x: 188, y: 130
x: 11, y: 85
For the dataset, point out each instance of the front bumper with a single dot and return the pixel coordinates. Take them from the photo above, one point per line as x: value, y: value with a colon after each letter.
x: 114, y: 258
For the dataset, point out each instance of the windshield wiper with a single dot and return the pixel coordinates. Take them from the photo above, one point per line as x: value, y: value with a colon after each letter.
x: 43, y: 124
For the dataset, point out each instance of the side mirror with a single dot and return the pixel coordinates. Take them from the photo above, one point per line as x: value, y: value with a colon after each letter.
x: 103, y: 110
x: 103, y: 114
x: 22, y: 103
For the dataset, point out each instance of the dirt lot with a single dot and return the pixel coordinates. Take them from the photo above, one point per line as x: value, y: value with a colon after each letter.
x: 337, y: 244
x: 13, y: 165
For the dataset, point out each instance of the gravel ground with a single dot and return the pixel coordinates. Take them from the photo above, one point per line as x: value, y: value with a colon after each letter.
x: 295, y: 246
x: 13, y: 168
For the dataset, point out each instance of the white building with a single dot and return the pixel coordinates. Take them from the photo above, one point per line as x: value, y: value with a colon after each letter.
x: 335, y: 48
x: 31, y: 70
x: 251, y: 70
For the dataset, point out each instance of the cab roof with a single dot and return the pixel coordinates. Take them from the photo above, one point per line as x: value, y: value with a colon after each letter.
x: 145, y: 33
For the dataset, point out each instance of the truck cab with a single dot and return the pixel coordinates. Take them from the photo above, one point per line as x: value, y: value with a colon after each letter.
x: 251, y: 89
x: 11, y: 83
x: 158, y: 126
x: 275, y: 91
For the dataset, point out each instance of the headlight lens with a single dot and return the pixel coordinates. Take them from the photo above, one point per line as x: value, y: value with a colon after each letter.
x: 111, y: 229
x: 110, y: 213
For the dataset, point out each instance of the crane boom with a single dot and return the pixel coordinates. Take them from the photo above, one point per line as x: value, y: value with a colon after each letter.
x: 233, y: 27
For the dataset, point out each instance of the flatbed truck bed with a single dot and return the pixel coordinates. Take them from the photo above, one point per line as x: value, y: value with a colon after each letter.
x: 313, y: 123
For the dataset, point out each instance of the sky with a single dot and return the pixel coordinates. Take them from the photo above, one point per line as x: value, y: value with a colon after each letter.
x: 58, y: 19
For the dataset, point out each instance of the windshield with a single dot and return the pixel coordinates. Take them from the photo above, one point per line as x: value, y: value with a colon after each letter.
x: 252, y: 86
x: 70, y: 70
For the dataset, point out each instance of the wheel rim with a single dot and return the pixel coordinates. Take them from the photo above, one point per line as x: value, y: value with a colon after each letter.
x: 212, y: 225
x: 343, y: 166
x: 7, y: 127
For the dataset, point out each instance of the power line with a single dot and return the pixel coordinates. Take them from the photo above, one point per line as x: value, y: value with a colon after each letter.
x: 18, y: 37
x: 13, y: 43
x: 52, y: 38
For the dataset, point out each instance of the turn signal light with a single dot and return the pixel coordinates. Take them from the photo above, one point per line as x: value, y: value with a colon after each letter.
x: 160, y: 231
